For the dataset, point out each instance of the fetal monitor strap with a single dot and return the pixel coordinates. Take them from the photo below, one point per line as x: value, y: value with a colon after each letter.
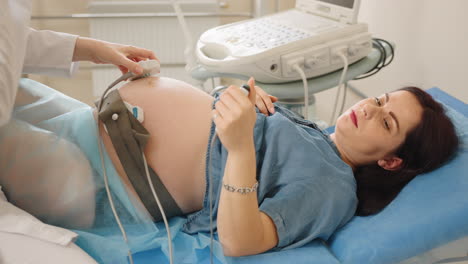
x: 129, y: 138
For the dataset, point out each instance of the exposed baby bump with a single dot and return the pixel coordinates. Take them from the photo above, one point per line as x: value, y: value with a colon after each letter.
x: 171, y: 108
x: 177, y: 116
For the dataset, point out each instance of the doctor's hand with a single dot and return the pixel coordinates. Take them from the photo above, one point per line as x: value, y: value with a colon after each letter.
x: 234, y: 116
x: 264, y: 102
x: 101, y: 52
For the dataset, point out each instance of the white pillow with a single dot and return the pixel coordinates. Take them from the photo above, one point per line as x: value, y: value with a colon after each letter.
x: 17, y: 221
x: 26, y: 240
x: 21, y: 249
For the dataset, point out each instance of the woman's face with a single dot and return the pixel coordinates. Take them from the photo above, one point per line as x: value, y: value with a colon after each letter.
x: 374, y: 128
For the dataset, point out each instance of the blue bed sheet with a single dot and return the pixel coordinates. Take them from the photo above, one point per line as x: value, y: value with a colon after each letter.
x: 315, y: 253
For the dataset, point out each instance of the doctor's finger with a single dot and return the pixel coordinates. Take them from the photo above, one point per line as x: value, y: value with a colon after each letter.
x: 123, y: 69
x: 132, y: 51
x: 130, y: 65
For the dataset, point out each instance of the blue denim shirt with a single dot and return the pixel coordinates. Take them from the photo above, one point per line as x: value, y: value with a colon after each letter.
x: 304, y: 186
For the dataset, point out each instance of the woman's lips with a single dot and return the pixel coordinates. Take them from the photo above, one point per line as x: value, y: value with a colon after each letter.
x: 354, y: 118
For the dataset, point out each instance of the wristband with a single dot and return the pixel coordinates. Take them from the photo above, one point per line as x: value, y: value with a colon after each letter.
x: 241, y: 190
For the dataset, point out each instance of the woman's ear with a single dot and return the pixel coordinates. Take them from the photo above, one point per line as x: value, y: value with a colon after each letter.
x: 391, y: 164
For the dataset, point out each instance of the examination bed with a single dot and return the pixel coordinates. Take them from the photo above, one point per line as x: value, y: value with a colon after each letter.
x: 429, y: 212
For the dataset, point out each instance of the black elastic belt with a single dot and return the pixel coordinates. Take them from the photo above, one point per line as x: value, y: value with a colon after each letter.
x: 129, y: 138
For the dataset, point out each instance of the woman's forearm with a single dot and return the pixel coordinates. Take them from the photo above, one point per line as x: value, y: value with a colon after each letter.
x: 240, y: 226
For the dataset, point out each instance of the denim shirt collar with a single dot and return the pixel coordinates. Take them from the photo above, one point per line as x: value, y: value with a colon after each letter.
x: 296, y: 118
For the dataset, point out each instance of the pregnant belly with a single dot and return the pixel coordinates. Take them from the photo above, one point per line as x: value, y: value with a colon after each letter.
x: 177, y: 116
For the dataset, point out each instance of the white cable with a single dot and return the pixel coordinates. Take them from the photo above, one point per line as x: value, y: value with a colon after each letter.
x: 210, y: 195
x: 338, y: 93
x: 210, y: 182
x: 306, y: 90
x: 109, y: 196
x: 212, y: 84
x: 345, y: 86
x: 169, y: 237
x: 343, y: 75
x: 104, y: 171
x: 188, y: 52
x: 106, y: 181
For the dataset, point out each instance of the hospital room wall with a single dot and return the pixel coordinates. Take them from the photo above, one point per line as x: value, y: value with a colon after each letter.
x: 80, y: 87
x: 431, y: 37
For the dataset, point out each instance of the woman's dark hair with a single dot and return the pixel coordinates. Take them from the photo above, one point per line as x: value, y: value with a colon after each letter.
x: 431, y: 143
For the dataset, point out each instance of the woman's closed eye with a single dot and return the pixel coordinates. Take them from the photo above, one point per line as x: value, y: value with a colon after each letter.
x: 379, y: 103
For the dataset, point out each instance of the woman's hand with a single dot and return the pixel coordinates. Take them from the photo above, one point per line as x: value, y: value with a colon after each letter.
x: 264, y: 101
x: 235, y: 116
x: 123, y: 56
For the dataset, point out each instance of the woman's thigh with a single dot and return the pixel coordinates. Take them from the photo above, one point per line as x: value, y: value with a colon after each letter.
x: 46, y: 175
x: 177, y: 116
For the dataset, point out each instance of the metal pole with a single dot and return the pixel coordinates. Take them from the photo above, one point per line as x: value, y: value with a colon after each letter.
x: 257, y: 8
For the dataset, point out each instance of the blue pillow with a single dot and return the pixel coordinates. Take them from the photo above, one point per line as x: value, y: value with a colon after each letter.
x: 429, y: 212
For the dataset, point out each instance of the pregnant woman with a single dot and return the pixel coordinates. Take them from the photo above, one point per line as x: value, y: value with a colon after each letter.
x: 277, y: 181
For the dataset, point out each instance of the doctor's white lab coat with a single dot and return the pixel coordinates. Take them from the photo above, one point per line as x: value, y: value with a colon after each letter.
x: 25, y: 50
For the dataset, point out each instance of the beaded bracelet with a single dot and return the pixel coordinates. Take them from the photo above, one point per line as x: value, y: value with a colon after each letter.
x: 241, y: 190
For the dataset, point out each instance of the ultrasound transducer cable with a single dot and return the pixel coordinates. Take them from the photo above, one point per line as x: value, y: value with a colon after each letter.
x: 149, y: 68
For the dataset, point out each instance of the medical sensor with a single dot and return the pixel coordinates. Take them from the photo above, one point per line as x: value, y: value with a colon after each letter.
x: 311, y: 35
x: 150, y: 67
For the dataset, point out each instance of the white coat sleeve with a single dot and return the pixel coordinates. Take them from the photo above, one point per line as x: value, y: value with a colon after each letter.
x: 14, y: 16
x: 23, y: 49
x: 49, y: 53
